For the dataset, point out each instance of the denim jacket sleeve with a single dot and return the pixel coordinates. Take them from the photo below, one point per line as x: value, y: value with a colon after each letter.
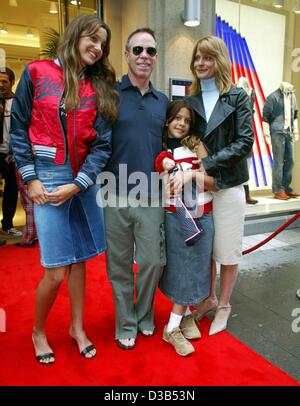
x: 20, y: 121
x: 98, y: 156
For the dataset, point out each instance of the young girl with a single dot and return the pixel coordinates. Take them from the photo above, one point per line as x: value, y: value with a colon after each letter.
x: 185, y: 210
x: 186, y: 277
x: 61, y: 139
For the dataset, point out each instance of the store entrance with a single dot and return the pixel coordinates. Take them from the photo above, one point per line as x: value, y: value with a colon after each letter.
x: 28, y: 28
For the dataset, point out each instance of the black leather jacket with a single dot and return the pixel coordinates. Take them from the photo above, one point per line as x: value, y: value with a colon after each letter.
x: 228, y: 136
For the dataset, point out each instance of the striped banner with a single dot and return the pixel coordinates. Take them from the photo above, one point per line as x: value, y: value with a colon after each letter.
x: 242, y: 65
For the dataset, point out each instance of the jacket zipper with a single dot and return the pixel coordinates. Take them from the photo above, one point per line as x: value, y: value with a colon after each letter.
x: 74, y: 140
x: 61, y: 127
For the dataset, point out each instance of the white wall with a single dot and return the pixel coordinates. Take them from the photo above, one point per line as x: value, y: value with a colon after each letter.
x: 134, y: 15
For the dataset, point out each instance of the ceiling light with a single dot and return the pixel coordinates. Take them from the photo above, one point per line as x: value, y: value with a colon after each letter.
x: 29, y: 33
x: 191, y: 13
x: 278, y: 3
x: 75, y: 2
x: 13, y: 3
x: 3, y: 29
x: 53, y: 8
x: 297, y: 7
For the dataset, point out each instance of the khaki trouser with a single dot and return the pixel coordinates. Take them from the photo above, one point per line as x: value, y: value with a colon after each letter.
x: 141, y: 228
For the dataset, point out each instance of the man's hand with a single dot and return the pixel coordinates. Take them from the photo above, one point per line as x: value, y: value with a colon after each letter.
x: 295, y: 137
x: 61, y: 194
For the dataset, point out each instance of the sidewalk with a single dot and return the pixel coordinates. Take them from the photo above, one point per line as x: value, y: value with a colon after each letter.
x: 264, y: 298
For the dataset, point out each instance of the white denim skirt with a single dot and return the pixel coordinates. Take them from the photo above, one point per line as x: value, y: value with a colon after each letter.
x: 229, y: 208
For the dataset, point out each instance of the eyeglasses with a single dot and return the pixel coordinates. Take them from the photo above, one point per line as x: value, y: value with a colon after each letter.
x: 137, y: 50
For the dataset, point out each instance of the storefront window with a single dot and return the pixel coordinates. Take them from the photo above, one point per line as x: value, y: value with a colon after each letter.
x: 27, y: 26
x: 263, y: 40
x: 76, y: 7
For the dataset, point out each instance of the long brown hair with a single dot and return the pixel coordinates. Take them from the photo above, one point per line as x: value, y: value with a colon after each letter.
x: 173, y: 109
x: 101, y: 73
x: 216, y: 48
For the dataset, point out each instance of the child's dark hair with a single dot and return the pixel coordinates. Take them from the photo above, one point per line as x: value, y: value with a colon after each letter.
x: 9, y: 73
x: 173, y: 109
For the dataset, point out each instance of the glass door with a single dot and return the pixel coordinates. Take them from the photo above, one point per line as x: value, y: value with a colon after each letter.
x: 29, y: 29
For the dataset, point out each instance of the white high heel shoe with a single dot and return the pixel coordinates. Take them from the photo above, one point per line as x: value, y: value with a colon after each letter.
x: 204, y: 307
x: 221, y: 318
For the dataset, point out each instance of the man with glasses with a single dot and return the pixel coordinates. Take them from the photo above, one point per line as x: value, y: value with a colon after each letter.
x: 137, y: 140
x: 7, y: 166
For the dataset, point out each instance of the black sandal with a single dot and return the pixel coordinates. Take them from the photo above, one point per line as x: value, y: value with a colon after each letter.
x: 87, y: 350
x: 43, y: 357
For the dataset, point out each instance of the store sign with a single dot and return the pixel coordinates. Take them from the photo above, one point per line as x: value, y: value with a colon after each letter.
x: 179, y: 88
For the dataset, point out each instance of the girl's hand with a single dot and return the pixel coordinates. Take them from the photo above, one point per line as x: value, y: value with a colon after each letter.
x: 37, y: 191
x: 62, y: 193
x: 175, y: 184
x: 199, y: 163
x: 167, y: 164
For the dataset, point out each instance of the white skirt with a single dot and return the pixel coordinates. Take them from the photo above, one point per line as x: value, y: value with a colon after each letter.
x: 229, y: 208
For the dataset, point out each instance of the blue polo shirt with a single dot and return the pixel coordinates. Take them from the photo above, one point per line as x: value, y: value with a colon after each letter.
x: 137, y: 137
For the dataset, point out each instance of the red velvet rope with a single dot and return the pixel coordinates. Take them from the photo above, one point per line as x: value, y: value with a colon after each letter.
x: 279, y: 229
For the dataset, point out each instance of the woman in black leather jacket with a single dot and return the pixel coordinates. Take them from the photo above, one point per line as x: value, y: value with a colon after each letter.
x: 224, y: 125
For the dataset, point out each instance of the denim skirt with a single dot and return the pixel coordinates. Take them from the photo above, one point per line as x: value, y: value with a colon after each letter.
x: 186, y: 277
x: 73, y: 231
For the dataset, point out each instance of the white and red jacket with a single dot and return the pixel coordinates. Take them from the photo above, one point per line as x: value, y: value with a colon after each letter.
x: 185, y: 157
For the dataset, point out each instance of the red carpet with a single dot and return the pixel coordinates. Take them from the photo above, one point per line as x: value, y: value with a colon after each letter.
x: 219, y: 360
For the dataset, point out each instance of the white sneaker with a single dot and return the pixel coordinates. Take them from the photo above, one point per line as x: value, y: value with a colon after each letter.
x: 13, y: 231
x: 189, y: 328
x: 180, y: 343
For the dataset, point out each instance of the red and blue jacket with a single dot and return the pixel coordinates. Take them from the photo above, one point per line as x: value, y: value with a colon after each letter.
x: 36, y: 129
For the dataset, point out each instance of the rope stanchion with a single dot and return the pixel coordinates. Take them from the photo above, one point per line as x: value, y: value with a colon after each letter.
x: 279, y: 229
